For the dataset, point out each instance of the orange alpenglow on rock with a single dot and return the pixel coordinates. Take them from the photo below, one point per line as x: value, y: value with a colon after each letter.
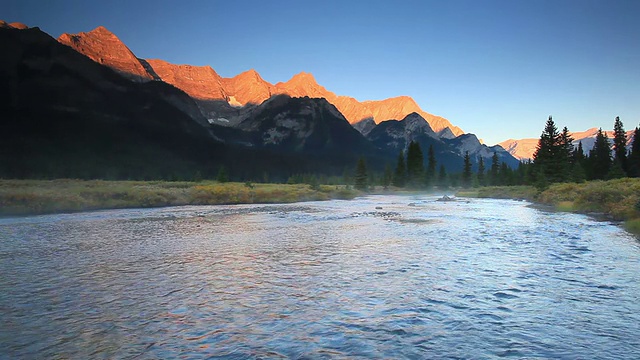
x: 248, y: 88
x: 199, y: 82
x: 218, y: 96
x: 102, y: 46
x: 13, y: 25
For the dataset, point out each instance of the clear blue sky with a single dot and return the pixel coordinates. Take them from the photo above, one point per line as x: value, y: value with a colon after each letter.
x: 495, y: 68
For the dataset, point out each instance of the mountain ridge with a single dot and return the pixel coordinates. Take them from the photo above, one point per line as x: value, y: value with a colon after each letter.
x: 245, y: 89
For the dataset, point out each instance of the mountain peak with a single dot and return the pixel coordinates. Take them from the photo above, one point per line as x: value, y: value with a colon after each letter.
x: 303, y: 77
x: 199, y: 82
x: 104, y: 47
x: 102, y: 31
x: 304, y: 84
x: 13, y: 25
x: 247, y: 88
x: 249, y: 74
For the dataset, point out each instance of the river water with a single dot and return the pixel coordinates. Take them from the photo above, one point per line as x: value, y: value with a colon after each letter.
x: 380, y: 276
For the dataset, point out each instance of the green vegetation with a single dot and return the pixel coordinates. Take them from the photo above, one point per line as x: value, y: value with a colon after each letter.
x: 557, y: 160
x: 361, y: 178
x: 559, y: 170
x: 617, y: 198
x: 21, y: 197
x: 501, y: 192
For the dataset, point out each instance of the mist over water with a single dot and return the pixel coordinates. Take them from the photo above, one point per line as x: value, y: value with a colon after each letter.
x: 417, y: 278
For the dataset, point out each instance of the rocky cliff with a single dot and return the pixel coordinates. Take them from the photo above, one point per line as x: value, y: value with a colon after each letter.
x: 223, y: 100
x: 104, y: 47
x: 247, y: 88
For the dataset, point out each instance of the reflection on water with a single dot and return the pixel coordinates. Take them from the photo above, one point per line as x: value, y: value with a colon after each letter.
x: 476, y: 279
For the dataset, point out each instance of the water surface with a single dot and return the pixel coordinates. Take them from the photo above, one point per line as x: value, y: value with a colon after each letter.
x: 414, y: 278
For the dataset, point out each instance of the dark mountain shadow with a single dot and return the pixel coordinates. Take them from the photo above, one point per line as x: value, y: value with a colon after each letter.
x: 63, y: 115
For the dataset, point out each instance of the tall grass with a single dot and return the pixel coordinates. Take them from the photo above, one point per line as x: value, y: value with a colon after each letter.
x: 19, y: 197
x: 618, y: 198
x: 500, y: 192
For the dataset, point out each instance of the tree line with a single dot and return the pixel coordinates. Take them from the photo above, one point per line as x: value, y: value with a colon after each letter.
x: 413, y: 171
x: 556, y: 159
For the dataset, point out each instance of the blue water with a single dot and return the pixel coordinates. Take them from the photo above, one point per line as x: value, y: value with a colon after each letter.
x: 415, y: 279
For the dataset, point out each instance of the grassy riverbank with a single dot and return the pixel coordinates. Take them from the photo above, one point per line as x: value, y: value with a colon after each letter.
x: 618, y: 199
x: 22, y: 197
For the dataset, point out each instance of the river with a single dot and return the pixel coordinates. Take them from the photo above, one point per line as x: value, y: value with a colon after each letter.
x: 379, y: 276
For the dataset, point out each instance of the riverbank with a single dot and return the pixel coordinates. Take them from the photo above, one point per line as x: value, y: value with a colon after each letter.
x: 617, y: 199
x: 31, y: 197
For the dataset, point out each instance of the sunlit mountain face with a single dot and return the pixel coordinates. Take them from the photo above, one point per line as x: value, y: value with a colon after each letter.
x: 86, y: 106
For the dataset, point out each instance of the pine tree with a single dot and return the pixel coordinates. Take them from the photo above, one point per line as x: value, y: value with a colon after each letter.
x: 578, y: 174
x: 506, y: 174
x: 222, y: 176
x: 442, y: 178
x: 361, y: 177
x: 548, y: 153
x: 578, y: 154
x: 495, y: 168
x: 388, y: 177
x: 620, y: 144
x: 524, y: 173
x: 616, y: 171
x: 431, y: 166
x: 565, y: 155
x: 400, y: 176
x: 466, y: 171
x: 634, y: 157
x: 600, y: 157
x: 415, y: 163
x: 480, y: 175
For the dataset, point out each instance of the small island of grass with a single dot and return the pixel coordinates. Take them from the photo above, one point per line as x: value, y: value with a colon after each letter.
x: 29, y: 197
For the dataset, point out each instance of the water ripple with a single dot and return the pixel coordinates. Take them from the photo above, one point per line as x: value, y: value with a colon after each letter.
x: 382, y: 276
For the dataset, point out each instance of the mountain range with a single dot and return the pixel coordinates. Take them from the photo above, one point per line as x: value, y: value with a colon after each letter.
x: 85, y: 105
x: 220, y: 98
x: 523, y: 149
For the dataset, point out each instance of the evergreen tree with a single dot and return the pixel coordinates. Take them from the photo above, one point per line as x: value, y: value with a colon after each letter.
x: 442, y: 178
x: 400, y: 177
x: 633, y: 161
x: 616, y: 171
x: 506, y: 174
x: 620, y: 144
x: 578, y: 154
x: 495, y: 167
x: 388, y: 177
x: 481, y: 181
x: 565, y: 155
x: 415, y: 163
x: 523, y: 173
x: 578, y: 174
x: 466, y: 171
x: 361, y: 177
x: 431, y: 166
x: 548, y: 154
x: 312, y: 181
x: 222, y: 176
x: 600, y: 157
